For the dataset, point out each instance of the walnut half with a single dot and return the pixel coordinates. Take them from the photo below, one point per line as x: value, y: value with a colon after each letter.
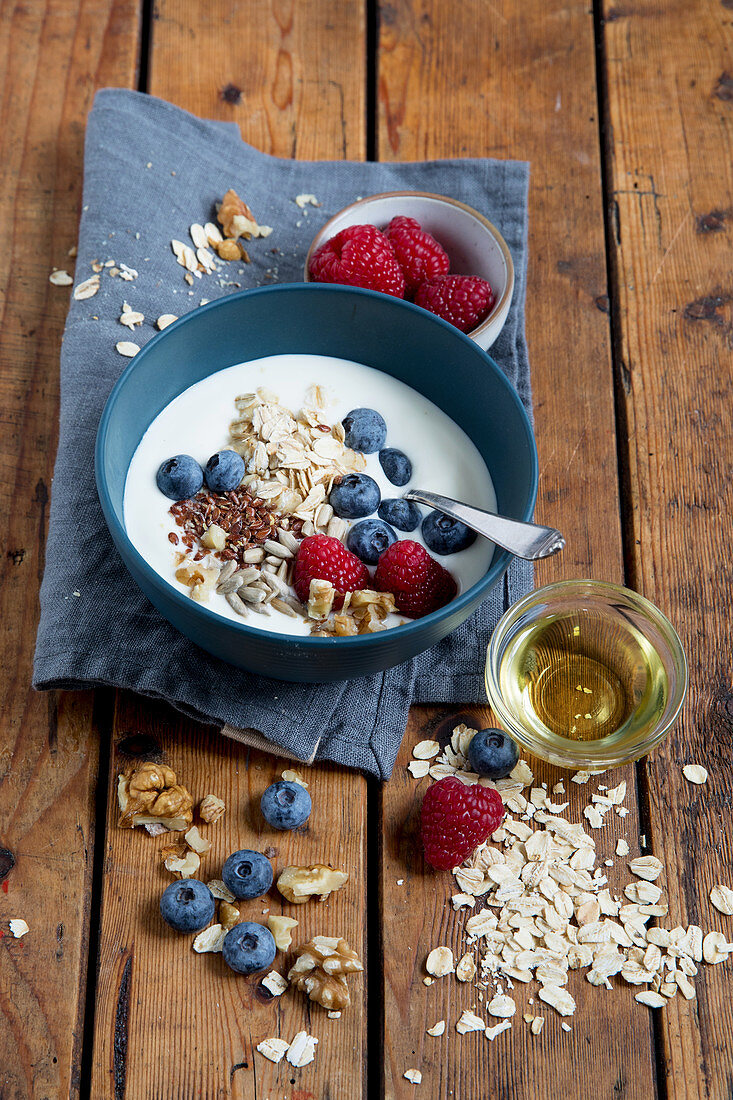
x: 297, y: 884
x: 320, y: 971
x: 149, y: 794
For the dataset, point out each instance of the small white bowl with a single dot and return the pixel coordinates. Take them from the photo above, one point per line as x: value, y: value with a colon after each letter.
x: 474, y: 245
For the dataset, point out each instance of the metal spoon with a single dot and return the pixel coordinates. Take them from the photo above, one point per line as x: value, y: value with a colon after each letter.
x: 525, y: 540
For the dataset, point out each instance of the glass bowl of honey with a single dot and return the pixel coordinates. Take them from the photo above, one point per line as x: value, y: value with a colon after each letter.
x: 586, y: 674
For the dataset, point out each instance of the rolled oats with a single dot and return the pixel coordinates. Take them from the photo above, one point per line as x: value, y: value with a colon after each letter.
x: 695, y: 773
x: 722, y: 898
x: 469, y: 1021
x: 273, y: 1049
x: 646, y: 867
x: 414, y: 1076
x: 440, y: 962
x: 437, y: 1029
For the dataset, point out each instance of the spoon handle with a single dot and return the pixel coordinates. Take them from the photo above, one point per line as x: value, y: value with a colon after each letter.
x: 525, y: 540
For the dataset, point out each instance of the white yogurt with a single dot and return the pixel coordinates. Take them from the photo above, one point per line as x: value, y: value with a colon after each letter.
x: 444, y: 460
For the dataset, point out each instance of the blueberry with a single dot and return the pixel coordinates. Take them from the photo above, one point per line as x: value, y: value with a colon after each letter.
x: 402, y: 514
x: 247, y: 874
x: 187, y: 905
x: 444, y: 535
x: 179, y: 477
x: 224, y: 471
x: 365, y: 430
x: 355, y: 495
x: 396, y: 465
x: 492, y: 753
x: 248, y: 947
x: 286, y: 805
x: 369, y: 538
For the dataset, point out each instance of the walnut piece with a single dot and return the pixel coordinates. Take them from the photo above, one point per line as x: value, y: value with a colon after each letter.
x: 320, y: 971
x: 297, y: 884
x: 228, y: 915
x: 281, y: 928
x: 199, y: 843
x: 237, y: 220
x: 211, y: 809
x: 150, y: 794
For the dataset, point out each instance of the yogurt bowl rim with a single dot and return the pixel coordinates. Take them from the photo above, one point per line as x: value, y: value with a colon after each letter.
x: 501, y: 302
x: 165, y: 588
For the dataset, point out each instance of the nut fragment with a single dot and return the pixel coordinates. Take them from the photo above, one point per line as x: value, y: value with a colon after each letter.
x: 298, y: 884
x: 440, y: 962
x: 275, y: 983
x: 199, y: 843
x: 228, y: 915
x: 149, y: 794
x: 320, y: 970
x: 722, y: 898
x: 214, y: 537
x: 210, y: 940
x: 185, y: 866
x: 211, y: 809
x: 281, y: 928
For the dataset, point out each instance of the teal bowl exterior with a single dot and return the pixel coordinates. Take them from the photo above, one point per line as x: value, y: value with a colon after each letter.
x: 394, y: 336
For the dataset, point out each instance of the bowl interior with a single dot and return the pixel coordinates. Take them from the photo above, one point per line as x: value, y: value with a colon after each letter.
x: 473, y: 245
x: 388, y: 334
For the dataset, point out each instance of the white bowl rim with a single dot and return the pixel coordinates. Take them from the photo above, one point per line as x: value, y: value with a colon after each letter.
x: 497, y: 307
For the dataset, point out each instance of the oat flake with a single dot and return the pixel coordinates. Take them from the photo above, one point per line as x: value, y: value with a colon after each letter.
x: 695, y: 773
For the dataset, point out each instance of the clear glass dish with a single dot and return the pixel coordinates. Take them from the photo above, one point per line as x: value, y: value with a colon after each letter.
x: 586, y: 674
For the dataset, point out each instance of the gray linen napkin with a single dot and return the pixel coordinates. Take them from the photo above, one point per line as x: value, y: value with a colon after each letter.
x: 150, y: 170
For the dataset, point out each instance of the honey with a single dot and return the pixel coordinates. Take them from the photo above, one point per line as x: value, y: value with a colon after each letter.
x: 584, y: 675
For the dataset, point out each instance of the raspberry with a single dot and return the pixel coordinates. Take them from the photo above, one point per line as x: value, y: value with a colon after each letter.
x: 418, y: 253
x: 455, y: 819
x: 327, y: 559
x: 418, y: 583
x: 464, y: 300
x: 359, y: 256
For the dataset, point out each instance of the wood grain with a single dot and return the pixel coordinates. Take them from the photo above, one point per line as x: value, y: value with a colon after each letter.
x: 300, y: 70
x: 526, y: 89
x: 290, y: 72
x: 670, y: 109
x: 52, y: 58
x: 173, y: 1024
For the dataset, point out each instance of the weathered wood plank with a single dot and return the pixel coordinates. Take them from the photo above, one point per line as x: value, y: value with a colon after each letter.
x: 171, y: 1023
x: 290, y: 72
x: 526, y: 89
x: 52, y: 58
x: 287, y: 107
x: 670, y: 108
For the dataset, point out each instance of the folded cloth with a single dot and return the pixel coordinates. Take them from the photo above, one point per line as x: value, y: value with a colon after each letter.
x: 150, y: 171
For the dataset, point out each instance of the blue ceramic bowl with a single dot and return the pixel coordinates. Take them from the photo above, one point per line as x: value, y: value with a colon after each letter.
x: 387, y: 333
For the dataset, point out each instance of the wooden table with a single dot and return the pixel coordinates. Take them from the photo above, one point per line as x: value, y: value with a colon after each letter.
x: 626, y: 114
